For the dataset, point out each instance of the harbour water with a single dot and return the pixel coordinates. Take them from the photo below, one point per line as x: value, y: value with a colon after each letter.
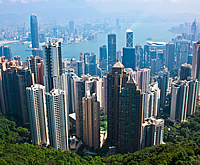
x: 142, y: 31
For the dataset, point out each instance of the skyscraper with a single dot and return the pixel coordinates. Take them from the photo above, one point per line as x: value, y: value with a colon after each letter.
x: 103, y: 60
x: 142, y: 77
x: 91, y: 120
x: 152, y: 101
x: 179, y: 101
x: 196, y: 64
x: 37, y: 114
x: 186, y: 70
x: 182, y: 52
x: 170, y: 56
x: 14, y: 81
x: 34, y: 31
x: 111, y: 51
x: 196, y: 61
x: 130, y: 118
x: 163, y: 81
x: 129, y: 58
x: 52, y: 65
x: 152, y: 132
x: 115, y: 81
x: 57, y: 116
x: 71, y: 27
x: 79, y: 85
x: 7, y: 52
x: 129, y: 38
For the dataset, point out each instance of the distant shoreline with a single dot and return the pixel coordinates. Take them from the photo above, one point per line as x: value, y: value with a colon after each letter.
x: 7, y: 42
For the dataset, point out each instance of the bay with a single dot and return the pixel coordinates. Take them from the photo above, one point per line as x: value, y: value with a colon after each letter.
x: 142, y: 31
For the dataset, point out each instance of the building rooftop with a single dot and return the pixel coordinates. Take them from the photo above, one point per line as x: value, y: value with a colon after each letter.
x: 129, y: 31
x: 118, y: 64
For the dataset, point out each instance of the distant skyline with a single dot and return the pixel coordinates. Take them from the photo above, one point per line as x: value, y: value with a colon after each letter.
x: 161, y: 7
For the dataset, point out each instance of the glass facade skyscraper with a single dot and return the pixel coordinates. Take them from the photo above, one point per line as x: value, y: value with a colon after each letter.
x: 34, y: 31
x: 111, y: 51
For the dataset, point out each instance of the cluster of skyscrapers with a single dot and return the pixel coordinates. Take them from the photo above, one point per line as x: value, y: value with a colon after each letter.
x: 45, y: 90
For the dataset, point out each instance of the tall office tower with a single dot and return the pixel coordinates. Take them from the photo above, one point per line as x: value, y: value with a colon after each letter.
x: 142, y: 77
x: 71, y: 27
x: 34, y: 31
x: 119, y: 55
x: 103, y: 61
x: 182, y: 52
x: 67, y: 84
x: 130, y: 117
x: 156, y: 65
x: 105, y: 96
x: 15, y: 80
x: 192, y: 96
x: 91, y: 120
x: 129, y: 38
x: 7, y: 52
x: 37, y: 52
x: 146, y: 56
x: 129, y: 58
x: 77, y: 66
x: 111, y: 51
x: 152, y: 101
x: 37, y: 114
x: 186, y: 70
x: 170, y: 56
x: 117, y: 23
x: 57, y: 116
x: 194, y: 27
x: 1, y: 51
x: 152, y: 132
x: 79, y: 86
x: 163, y: 80
x: 83, y: 63
x: 52, y: 65
x: 139, y: 55
x: 115, y: 81
x: 90, y: 63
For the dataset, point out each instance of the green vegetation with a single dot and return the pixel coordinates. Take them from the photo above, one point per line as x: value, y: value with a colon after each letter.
x: 182, y: 147
x: 174, y: 72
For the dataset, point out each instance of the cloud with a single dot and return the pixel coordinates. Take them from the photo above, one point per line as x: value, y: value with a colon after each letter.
x: 20, y: 1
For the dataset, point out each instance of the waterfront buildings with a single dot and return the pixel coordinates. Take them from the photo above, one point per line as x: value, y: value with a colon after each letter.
x: 129, y: 58
x: 129, y: 38
x: 103, y: 60
x: 34, y: 31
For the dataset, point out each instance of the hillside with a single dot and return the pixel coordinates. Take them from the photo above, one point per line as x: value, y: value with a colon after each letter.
x: 182, y: 147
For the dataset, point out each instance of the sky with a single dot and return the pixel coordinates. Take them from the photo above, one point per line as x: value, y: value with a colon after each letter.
x: 161, y: 7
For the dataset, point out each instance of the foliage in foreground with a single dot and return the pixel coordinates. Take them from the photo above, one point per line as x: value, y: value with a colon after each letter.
x: 183, y: 141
